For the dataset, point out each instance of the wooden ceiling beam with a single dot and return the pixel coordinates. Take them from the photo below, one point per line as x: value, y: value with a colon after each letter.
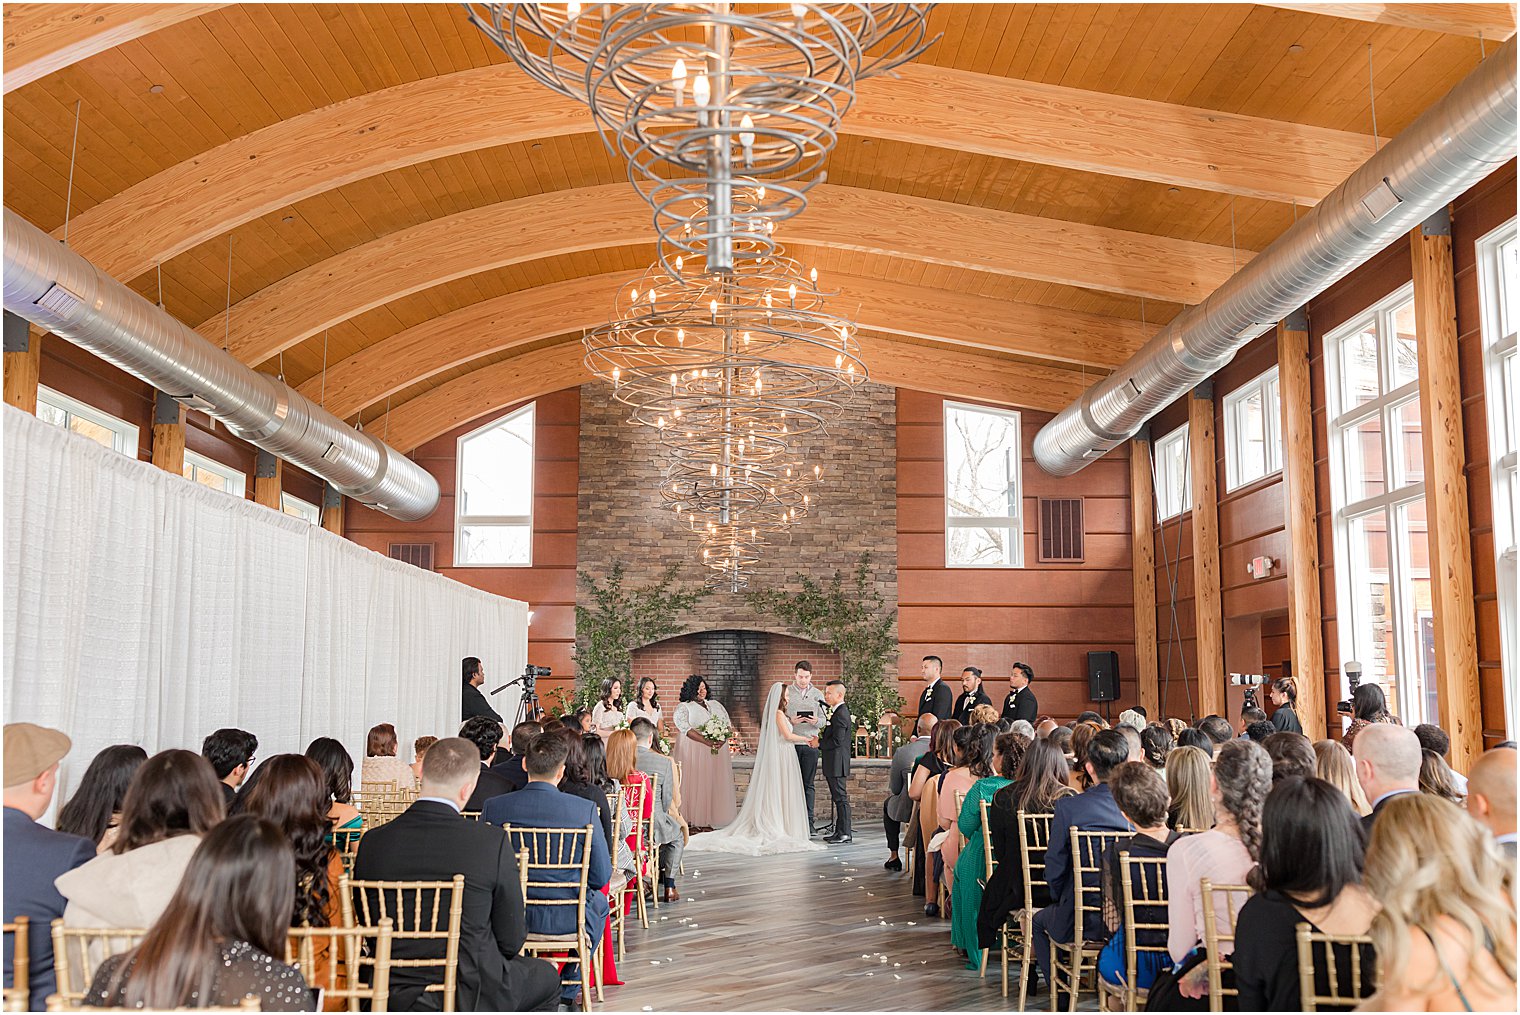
x: 956, y: 373
x: 271, y: 168
x: 533, y: 315
x: 1495, y: 22
x: 41, y: 38
x: 938, y: 232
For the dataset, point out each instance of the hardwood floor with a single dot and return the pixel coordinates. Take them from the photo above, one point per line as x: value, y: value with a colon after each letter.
x: 825, y: 931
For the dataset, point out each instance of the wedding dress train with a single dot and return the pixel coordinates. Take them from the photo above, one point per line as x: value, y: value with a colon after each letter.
x: 773, y: 818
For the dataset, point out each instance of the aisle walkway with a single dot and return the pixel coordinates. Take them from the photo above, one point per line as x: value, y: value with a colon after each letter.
x: 827, y: 931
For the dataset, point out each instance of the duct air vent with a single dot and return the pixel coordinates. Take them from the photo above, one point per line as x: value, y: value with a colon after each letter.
x: 60, y: 301
x: 1381, y: 200
x: 1061, y: 530
x: 196, y: 403
x: 416, y: 554
x: 333, y: 453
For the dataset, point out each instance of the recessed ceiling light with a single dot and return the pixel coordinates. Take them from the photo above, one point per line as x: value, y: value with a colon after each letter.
x: 156, y: 89
x: 288, y: 218
x: 1173, y: 190
x: 1295, y: 48
x: 536, y: 144
x: 865, y: 141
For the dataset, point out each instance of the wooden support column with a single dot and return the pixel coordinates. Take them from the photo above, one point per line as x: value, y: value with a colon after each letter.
x: 1451, y: 577
x: 1207, y: 599
x: 168, y: 434
x: 1305, y: 624
x: 332, y: 509
x: 23, y: 360
x: 266, y: 480
x: 1142, y: 561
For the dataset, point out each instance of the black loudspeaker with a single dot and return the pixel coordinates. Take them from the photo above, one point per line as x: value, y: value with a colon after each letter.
x: 1102, y: 676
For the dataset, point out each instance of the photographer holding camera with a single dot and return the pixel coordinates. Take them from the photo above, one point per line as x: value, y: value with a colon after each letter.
x: 1284, y: 695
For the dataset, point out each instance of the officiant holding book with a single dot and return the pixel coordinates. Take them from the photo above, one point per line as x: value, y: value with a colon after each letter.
x: 701, y: 749
x: 805, y: 708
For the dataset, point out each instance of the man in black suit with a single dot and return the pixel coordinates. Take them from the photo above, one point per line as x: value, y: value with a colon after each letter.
x: 230, y: 752
x: 34, y: 854
x: 485, y: 734
x: 834, y: 746
x: 1387, y: 764
x: 430, y: 841
x: 971, y: 695
x: 1021, y: 703
x: 936, y: 699
x: 1092, y: 811
x: 471, y: 702
x: 511, y: 765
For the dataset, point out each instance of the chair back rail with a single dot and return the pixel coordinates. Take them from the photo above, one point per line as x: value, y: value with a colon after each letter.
x: 1311, y: 945
x: 1215, y: 937
x: 418, y: 911
x: 18, y: 996
x: 79, y: 951
x: 1142, y: 881
x: 346, y: 949
x: 558, y: 860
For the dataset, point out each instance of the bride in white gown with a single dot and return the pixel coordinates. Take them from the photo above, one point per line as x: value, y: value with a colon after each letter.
x: 774, y: 816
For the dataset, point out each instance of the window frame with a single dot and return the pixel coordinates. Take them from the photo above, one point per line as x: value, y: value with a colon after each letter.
x: 125, y: 435
x: 236, y: 481
x: 1499, y: 350
x: 1353, y: 620
x: 1271, y: 429
x: 1161, y: 461
x: 1013, y: 523
x: 461, y: 520
x: 304, y: 509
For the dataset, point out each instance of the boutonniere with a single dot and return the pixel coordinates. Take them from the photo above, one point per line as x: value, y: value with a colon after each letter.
x: 828, y: 713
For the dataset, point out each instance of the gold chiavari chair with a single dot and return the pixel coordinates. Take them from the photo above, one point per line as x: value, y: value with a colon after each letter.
x: 384, y: 801
x: 553, y: 854
x: 649, y: 863
x: 1069, y: 960
x: 18, y: 996
x: 56, y: 1003
x: 928, y: 827
x: 414, y: 909
x: 1347, y: 984
x: 79, y: 951
x: 617, y: 888
x: 307, y: 945
x: 1142, y: 888
x: 470, y: 815
x: 989, y: 862
x: 346, y: 842
x: 1216, y: 937
x: 634, y: 794
x: 1017, y: 930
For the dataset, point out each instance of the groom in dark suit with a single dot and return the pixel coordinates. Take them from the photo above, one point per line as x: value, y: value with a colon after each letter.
x: 834, y: 744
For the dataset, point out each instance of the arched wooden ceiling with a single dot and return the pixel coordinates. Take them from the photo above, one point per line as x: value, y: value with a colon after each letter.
x: 407, y: 212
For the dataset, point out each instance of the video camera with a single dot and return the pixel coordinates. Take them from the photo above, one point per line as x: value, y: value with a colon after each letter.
x: 1353, y: 671
x: 1250, y: 681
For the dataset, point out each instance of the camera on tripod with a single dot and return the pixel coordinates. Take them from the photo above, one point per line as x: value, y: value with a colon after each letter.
x: 1250, y: 681
x: 1353, y: 671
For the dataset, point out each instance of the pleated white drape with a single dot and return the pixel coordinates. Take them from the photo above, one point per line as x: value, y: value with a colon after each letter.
x: 142, y: 608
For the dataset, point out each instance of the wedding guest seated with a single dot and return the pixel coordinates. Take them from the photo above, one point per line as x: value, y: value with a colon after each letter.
x: 1133, y: 718
x: 1224, y: 854
x: 973, y: 754
x: 1175, y: 727
x: 485, y: 734
x: 419, y: 748
x: 1155, y: 744
x: 1092, y: 717
x: 1310, y: 872
x: 1091, y: 811
x: 1132, y: 736
x: 1081, y: 737
x: 1216, y: 728
x: 338, y: 768
x: 34, y: 854
x: 94, y: 811
x: 1061, y: 737
x: 230, y: 752
x: 600, y: 778
x: 1387, y: 765
x: 1251, y: 714
x: 1436, y: 777
x: 1292, y: 755
x: 431, y: 841
x: 898, y: 807
x: 577, y: 780
x: 1445, y: 935
x: 380, y: 761
x: 539, y: 805
x: 1191, y: 737
x: 1434, y: 738
x: 669, y: 836
x: 984, y: 715
x: 1333, y: 763
x: 511, y: 765
x: 222, y: 936
x: 622, y: 759
x: 173, y: 802
x: 1141, y: 796
x: 1259, y: 730
x: 971, y: 863
x: 1187, y: 784
x: 1023, y: 727
x: 923, y: 787
x: 1491, y: 796
x: 1046, y: 726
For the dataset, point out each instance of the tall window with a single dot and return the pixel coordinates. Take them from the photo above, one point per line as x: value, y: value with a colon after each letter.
x: 202, y: 470
x: 1498, y: 269
x: 71, y: 414
x: 983, y: 526
x: 493, y: 521
x: 298, y: 508
x: 1174, y: 485
x: 1378, y: 495
x: 1252, y: 431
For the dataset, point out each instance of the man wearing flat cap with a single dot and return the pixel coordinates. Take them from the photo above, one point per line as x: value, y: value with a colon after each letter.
x: 35, y: 854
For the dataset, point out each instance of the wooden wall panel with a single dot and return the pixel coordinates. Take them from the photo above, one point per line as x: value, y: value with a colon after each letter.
x: 1047, y: 615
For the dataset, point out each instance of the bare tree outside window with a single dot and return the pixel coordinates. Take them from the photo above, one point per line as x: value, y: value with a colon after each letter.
x: 982, y: 491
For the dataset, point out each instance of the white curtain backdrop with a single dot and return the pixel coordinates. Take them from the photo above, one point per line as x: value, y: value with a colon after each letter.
x: 141, y: 608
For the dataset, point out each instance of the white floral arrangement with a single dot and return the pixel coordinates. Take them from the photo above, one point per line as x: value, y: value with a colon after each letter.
x: 717, y: 731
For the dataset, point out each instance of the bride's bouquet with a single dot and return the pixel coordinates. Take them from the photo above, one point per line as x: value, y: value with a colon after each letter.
x: 717, y: 731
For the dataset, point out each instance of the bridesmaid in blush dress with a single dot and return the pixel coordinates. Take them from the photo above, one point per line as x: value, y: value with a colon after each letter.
x: 707, y: 769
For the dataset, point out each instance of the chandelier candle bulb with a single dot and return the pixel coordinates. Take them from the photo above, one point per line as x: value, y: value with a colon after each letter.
x: 701, y: 91
x: 678, y: 77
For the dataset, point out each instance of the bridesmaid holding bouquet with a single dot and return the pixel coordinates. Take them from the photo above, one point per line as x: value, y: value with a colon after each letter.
x: 701, y: 749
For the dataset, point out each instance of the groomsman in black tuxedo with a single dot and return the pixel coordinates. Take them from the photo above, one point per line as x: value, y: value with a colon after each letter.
x: 971, y: 695
x: 936, y: 698
x: 1021, y: 703
x: 834, y: 745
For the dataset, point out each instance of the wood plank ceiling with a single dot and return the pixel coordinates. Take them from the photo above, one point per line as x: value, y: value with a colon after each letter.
x: 1059, y: 173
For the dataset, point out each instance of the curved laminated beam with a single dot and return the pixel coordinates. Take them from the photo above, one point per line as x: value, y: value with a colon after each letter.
x: 43, y: 38
x: 940, y: 371
x: 271, y: 168
x: 361, y: 278
x: 532, y: 315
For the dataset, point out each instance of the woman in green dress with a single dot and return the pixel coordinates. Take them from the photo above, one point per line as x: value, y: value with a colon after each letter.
x: 992, y: 759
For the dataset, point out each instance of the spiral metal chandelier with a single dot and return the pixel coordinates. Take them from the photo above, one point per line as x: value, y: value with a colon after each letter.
x: 725, y: 115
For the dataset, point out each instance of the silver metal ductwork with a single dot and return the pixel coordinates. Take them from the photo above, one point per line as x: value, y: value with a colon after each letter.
x: 61, y: 292
x: 1450, y: 147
